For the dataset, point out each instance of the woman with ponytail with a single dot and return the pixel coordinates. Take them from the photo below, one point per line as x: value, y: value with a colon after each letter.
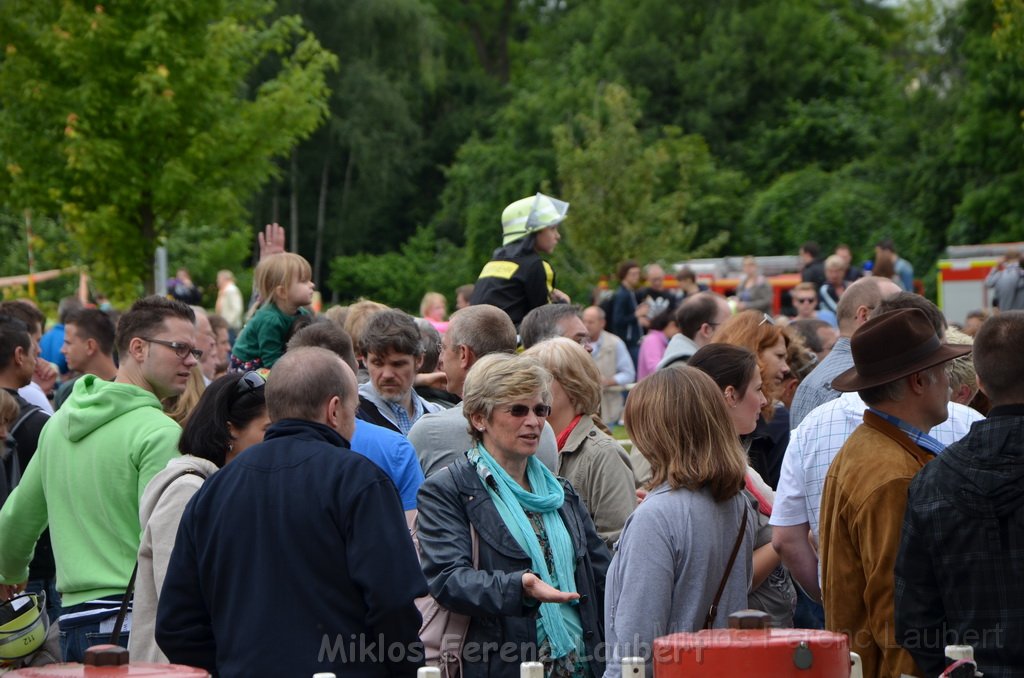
x: 230, y: 416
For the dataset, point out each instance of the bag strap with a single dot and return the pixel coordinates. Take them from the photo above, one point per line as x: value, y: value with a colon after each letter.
x: 28, y: 412
x: 713, y: 610
x: 122, y: 613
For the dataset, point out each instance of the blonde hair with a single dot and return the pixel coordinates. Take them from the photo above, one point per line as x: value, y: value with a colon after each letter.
x: 431, y: 298
x: 358, y: 315
x: 180, y: 408
x: 752, y: 331
x: 678, y: 420
x: 499, y: 378
x: 574, y: 370
x: 280, y: 270
x: 961, y: 370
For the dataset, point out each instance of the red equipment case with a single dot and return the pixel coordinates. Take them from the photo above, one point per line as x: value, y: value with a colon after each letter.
x: 747, y: 649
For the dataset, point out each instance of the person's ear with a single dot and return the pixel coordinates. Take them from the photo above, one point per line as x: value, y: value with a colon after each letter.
x: 466, y: 357
x: 91, y: 346
x: 478, y: 421
x: 730, y: 396
x: 333, y: 412
x: 862, y: 313
x: 136, y: 348
x: 419, y: 362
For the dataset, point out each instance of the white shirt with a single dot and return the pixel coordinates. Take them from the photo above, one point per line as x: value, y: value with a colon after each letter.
x: 817, y: 440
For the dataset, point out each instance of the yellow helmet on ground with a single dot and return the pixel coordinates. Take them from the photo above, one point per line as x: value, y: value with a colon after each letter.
x: 528, y: 215
x: 23, y: 625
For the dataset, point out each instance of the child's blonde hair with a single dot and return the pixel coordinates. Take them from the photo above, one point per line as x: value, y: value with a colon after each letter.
x: 280, y: 270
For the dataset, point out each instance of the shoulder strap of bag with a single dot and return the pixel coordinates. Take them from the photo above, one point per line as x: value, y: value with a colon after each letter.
x: 29, y: 411
x: 713, y: 610
x: 116, y: 635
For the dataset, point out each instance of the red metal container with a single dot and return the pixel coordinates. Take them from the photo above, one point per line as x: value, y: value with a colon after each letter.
x: 742, y: 651
x: 110, y: 661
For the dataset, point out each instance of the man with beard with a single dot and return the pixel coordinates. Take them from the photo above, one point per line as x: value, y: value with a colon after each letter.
x: 392, y: 353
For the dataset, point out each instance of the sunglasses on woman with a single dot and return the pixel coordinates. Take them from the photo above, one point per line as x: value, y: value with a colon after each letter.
x: 521, y: 411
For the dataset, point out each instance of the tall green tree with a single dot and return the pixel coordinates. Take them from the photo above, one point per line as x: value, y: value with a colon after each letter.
x: 630, y: 196
x: 131, y: 119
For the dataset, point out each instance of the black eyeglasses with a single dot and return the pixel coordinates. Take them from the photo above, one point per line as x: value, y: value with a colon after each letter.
x: 520, y: 411
x: 180, y: 350
x: 804, y: 300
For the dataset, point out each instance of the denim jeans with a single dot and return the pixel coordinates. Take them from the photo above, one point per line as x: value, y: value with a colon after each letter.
x: 809, y: 614
x: 53, y: 609
x: 77, y: 636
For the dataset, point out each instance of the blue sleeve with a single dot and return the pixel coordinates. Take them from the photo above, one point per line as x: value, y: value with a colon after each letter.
x: 406, y: 473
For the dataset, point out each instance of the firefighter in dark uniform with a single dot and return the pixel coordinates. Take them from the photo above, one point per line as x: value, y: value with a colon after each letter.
x: 516, y: 279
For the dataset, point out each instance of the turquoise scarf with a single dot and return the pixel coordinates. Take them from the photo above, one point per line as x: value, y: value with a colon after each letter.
x: 559, y: 623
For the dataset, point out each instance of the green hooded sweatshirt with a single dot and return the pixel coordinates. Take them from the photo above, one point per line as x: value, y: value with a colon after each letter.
x: 94, y: 459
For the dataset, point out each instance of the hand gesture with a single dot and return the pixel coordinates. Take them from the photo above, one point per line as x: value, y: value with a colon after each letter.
x: 560, y: 297
x: 45, y: 375
x: 272, y: 240
x: 536, y: 588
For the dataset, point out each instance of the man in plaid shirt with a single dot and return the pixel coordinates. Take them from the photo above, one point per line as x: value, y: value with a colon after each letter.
x: 960, y: 566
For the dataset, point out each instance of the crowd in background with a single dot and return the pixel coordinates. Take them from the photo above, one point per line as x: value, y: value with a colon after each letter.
x: 284, y: 482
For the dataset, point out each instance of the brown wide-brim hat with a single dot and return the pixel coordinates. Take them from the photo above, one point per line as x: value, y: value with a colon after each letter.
x: 894, y: 345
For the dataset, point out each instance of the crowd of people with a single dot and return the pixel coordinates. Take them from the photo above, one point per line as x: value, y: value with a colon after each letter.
x: 285, y: 495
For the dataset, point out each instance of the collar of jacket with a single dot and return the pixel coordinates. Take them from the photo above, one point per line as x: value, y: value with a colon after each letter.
x: 584, y: 429
x: 301, y: 428
x: 897, y: 435
x: 482, y: 513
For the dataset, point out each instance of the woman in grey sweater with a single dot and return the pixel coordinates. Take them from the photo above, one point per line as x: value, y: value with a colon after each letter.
x: 675, y: 548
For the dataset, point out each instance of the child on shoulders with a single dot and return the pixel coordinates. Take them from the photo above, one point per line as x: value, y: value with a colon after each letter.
x: 284, y: 283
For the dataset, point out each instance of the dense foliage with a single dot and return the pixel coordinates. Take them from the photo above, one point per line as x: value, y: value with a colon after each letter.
x: 674, y: 129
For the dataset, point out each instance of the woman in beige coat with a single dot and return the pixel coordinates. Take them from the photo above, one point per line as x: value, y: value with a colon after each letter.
x: 588, y: 457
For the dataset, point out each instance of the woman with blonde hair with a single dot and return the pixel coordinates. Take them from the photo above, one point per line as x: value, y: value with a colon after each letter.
x: 590, y: 459
x: 758, y: 333
x: 693, y: 535
x: 506, y: 542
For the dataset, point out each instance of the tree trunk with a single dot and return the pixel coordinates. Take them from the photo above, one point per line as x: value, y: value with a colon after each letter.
x: 345, y: 190
x: 321, y: 216
x: 147, y: 227
x: 294, y: 228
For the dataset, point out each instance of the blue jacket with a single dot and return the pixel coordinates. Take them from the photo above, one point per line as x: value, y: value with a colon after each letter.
x: 294, y: 559
x: 493, y: 595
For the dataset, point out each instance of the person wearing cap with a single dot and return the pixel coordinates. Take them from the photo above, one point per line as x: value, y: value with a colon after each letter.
x: 958, y: 578
x: 899, y: 370
x: 516, y: 279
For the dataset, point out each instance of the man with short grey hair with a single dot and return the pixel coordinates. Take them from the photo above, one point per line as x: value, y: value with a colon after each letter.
x: 299, y: 503
x: 554, y: 320
x: 860, y: 298
x: 613, y: 362
x: 473, y: 332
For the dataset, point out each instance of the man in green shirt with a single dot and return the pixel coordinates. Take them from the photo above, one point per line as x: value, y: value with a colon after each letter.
x: 94, y: 459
